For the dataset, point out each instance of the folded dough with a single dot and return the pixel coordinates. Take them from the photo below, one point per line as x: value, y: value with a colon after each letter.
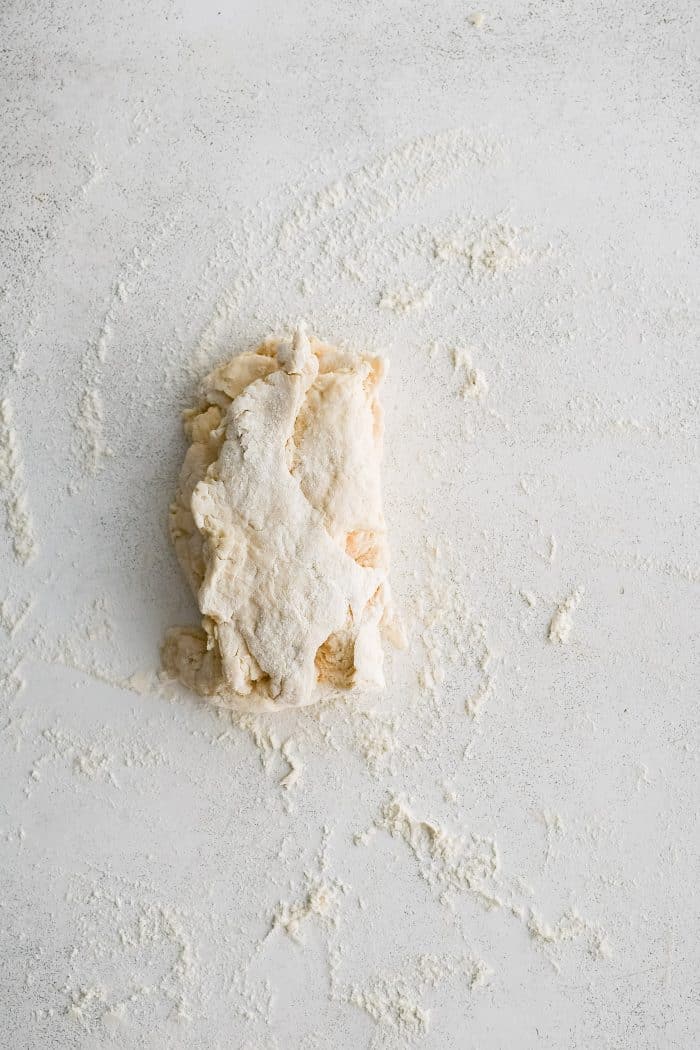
x: 278, y: 526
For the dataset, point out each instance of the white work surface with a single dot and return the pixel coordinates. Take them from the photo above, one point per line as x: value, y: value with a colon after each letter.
x: 504, y: 208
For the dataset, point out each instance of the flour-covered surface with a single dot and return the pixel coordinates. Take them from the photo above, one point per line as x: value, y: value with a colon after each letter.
x: 501, y: 849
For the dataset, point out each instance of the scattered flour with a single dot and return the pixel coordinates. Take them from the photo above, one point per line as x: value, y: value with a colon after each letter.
x: 95, y: 173
x: 143, y: 949
x: 552, y: 549
x: 253, y: 999
x: 492, y: 250
x: 406, y: 299
x: 320, y: 897
x: 14, y: 727
x: 90, y: 422
x: 377, y: 741
x: 449, y: 863
x: 91, y: 448
x: 136, y: 957
x: 12, y: 681
x: 296, y: 766
x: 473, y: 381
x: 331, y: 234
x: 554, y: 826
x: 570, y: 927
x: 454, y: 864
x: 274, y: 752
x: 14, y: 612
x: 98, y: 757
x: 561, y: 623
x: 642, y: 777
x: 450, y: 636
x: 395, y: 1001
x: 19, y: 519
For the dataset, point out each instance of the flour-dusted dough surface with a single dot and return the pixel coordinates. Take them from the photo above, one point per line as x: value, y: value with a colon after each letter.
x: 279, y: 528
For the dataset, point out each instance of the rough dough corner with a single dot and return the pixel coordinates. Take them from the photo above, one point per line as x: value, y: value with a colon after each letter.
x: 278, y: 526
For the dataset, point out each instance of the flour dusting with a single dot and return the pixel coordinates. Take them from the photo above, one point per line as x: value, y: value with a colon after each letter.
x: 396, y: 1001
x: 561, y: 624
x: 17, y: 512
x: 176, y: 875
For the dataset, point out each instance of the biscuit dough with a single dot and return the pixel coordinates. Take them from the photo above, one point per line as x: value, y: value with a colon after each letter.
x: 278, y: 526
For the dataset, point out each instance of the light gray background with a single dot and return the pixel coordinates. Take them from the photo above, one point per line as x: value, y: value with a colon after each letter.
x: 143, y: 845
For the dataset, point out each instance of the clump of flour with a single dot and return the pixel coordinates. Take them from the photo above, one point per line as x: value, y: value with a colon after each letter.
x: 561, y: 624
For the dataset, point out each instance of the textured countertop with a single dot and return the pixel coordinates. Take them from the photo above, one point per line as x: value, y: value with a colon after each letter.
x: 501, y: 849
